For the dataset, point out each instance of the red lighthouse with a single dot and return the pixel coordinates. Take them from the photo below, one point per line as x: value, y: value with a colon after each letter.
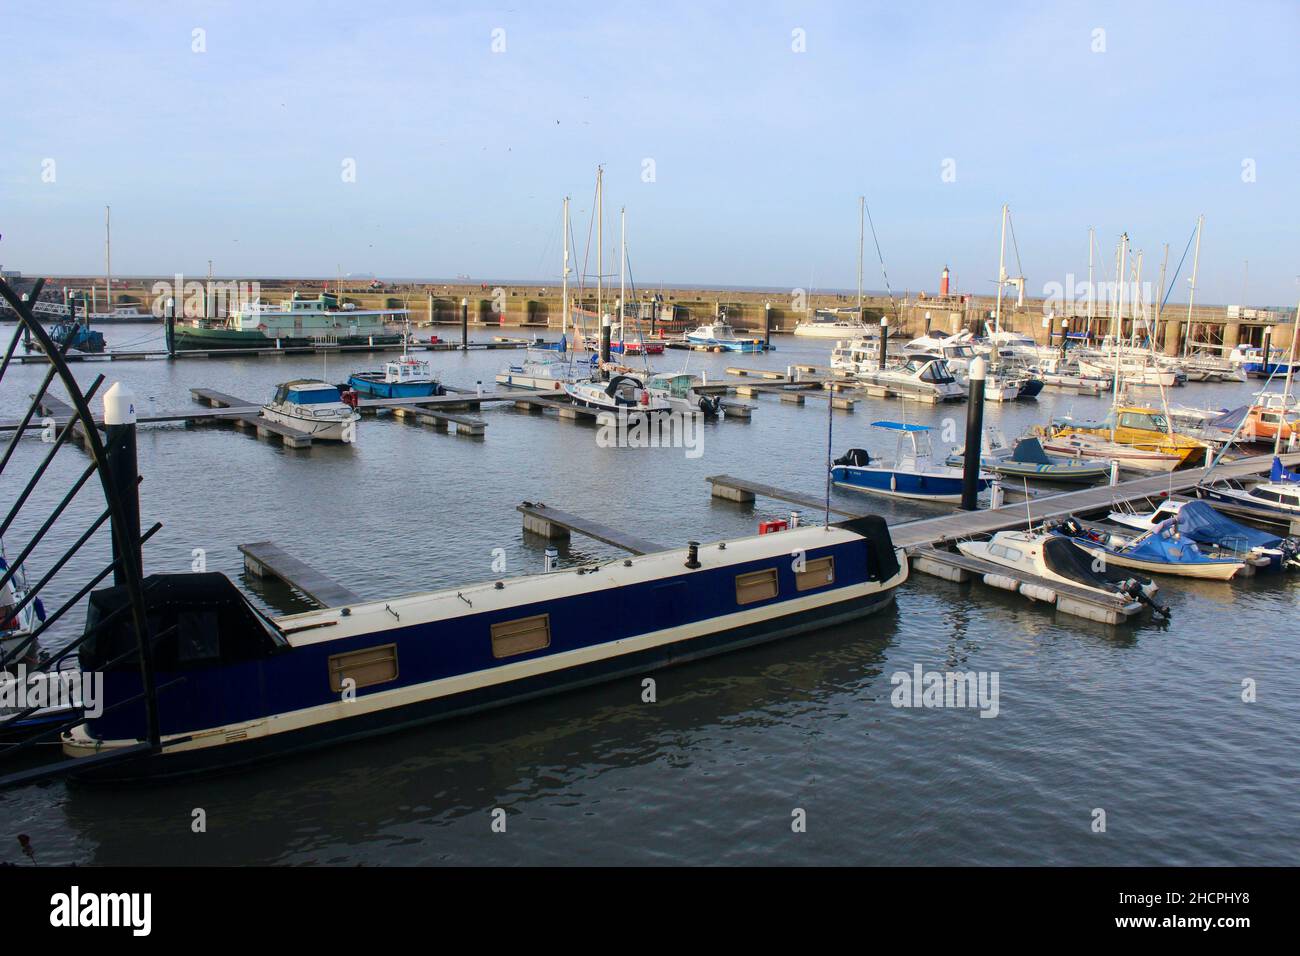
x: 943, y: 282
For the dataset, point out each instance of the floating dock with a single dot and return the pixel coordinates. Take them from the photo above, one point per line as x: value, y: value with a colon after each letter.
x: 556, y: 525
x: 265, y: 559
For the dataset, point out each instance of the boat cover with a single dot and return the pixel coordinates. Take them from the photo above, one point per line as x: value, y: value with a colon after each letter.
x: 855, y: 458
x: 1198, y: 521
x: 1030, y: 451
x: 1162, y: 544
x: 1280, y: 474
x: 1071, y: 561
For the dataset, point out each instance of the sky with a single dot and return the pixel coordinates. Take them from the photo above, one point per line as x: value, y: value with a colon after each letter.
x: 413, y: 139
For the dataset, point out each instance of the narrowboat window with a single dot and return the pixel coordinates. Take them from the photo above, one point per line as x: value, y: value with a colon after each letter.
x: 197, y: 637
x: 816, y: 574
x: 373, y: 665
x: 756, y: 586
x: 521, y: 636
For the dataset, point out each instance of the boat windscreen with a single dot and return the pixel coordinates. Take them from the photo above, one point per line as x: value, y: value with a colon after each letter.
x: 315, y: 396
x: 1030, y: 451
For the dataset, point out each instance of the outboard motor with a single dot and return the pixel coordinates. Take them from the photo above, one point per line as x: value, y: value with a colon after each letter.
x: 711, y: 405
x: 1072, y: 528
x: 350, y: 397
x: 854, y: 458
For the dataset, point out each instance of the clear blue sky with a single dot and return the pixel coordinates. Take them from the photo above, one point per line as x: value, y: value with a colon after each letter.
x: 463, y: 154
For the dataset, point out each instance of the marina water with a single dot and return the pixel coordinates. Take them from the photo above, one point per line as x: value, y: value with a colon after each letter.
x: 1145, y: 722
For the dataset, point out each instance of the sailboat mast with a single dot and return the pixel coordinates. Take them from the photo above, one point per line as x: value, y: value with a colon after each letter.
x: 1286, y: 389
x: 622, y: 275
x: 108, y: 260
x: 1002, y: 274
x: 600, y: 248
x: 1092, y: 288
x: 1139, y: 302
x: 862, y: 205
x: 1121, y: 261
x: 1191, y: 295
x: 564, y: 305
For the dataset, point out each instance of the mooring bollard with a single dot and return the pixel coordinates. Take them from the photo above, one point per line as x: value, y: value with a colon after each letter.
x: 795, y: 517
x: 970, y: 470
x: 124, y: 475
x: 996, y: 494
x: 606, y: 330
x: 464, y: 325
x: 1114, y: 471
x: 478, y: 388
x: 767, y: 326
x: 884, y: 337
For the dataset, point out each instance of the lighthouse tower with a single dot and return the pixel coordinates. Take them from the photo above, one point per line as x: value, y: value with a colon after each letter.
x: 943, y: 282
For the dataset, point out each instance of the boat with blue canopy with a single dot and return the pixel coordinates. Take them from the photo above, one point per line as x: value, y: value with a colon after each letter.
x: 1215, y: 531
x: 1162, y: 550
x: 912, y: 473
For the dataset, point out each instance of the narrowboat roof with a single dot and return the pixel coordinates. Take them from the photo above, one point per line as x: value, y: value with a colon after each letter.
x: 329, y: 624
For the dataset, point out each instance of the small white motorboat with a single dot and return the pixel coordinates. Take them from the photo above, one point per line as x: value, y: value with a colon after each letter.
x: 314, y: 408
x: 622, y: 394
x: 912, y: 474
x: 678, y: 390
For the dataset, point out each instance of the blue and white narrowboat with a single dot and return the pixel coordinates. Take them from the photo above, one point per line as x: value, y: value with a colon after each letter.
x: 912, y: 473
x: 236, y: 686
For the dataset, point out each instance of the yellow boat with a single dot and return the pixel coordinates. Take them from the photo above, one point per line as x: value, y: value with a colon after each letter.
x: 1136, y: 426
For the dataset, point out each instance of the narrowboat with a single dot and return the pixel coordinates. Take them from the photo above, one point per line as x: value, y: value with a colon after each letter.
x: 236, y: 686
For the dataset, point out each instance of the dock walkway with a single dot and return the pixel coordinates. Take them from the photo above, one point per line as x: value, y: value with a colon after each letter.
x: 266, y: 559
x: 553, y: 524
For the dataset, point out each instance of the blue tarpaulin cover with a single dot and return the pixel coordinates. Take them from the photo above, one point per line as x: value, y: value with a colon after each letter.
x: 1281, y: 474
x: 1198, y: 521
x: 1161, y: 545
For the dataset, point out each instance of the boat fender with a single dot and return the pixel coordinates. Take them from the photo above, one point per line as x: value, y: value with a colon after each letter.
x: 1002, y: 581
x: 1036, y: 592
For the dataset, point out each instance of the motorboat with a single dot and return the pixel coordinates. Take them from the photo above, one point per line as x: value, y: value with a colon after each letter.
x: 1139, y: 427
x: 720, y: 336
x: 1095, y: 447
x: 1162, y: 550
x: 314, y: 408
x: 1055, y: 558
x: 547, y: 371
x: 919, y: 376
x: 1027, y: 459
x: 622, y: 394
x: 19, y: 617
x: 856, y: 356
x: 1277, y: 499
x: 911, y: 474
x: 406, y: 377
x: 678, y: 390
x: 1215, y: 531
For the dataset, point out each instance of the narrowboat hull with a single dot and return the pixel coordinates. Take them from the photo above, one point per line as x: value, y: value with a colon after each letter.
x: 196, y: 339
x: 459, y: 651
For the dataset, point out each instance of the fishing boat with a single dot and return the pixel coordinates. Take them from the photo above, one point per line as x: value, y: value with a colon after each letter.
x: 1027, y: 459
x: 919, y: 376
x: 911, y: 474
x: 1162, y: 550
x: 720, y: 336
x: 1215, y: 531
x: 1056, y: 558
x: 245, y: 687
x: 678, y: 390
x: 406, y: 377
x: 314, y: 408
x: 1140, y: 428
x: 77, y: 336
x: 623, y: 394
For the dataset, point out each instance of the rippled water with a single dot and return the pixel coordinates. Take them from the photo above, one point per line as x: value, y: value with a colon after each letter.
x: 1145, y: 722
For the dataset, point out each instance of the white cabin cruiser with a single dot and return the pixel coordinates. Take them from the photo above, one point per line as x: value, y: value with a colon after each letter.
x: 834, y: 324
x: 678, y: 390
x: 919, y: 376
x: 546, y: 370
x: 856, y: 355
x: 314, y: 408
x: 1056, y: 558
x: 622, y: 394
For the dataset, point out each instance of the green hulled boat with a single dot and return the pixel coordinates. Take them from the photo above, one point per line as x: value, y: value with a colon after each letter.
x: 295, y: 322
